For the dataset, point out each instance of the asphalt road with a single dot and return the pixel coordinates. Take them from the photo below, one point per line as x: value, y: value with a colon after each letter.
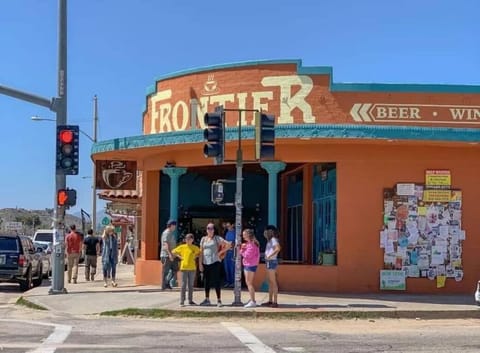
x: 33, y: 331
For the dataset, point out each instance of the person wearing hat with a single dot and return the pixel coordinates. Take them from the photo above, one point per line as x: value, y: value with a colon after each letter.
x: 169, y: 243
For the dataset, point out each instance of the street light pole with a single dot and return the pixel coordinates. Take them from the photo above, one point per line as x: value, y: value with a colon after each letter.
x: 58, y: 269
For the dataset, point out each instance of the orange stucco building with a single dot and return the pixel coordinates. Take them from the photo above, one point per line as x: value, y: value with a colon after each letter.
x: 366, y: 177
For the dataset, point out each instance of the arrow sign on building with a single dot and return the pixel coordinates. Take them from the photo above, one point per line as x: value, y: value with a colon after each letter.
x: 359, y: 112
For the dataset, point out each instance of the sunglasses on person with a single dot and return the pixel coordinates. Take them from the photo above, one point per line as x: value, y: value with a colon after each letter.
x: 209, y: 228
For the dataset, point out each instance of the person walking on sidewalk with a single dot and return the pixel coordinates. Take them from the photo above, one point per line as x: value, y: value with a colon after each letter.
x: 271, y: 253
x: 109, y: 255
x: 169, y: 243
x: 74, y: 247
x: 212, y: 247
x: 187, y: 253
x: 250, y: 252
x: 229, y: 261
x: 91, y: 246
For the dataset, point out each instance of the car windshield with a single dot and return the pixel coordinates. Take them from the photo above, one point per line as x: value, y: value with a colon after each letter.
x: 41, y: 245
x: 44, y: 237
x: 8, y: 244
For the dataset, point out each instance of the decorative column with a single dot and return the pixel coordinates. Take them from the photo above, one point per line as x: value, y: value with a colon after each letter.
x: 174, y: 173
x: 272, y: 168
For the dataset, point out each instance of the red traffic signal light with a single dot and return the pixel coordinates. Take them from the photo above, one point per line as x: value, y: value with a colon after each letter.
x: 65, y: 136
x: 66, y: 197
x: 68, y: 149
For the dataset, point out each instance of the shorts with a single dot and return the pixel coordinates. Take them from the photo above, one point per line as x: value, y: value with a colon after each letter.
x: 271, y: 264
x: 250, y: 268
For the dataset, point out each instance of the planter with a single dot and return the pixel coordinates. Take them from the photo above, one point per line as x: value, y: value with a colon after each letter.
x: 329, y: 259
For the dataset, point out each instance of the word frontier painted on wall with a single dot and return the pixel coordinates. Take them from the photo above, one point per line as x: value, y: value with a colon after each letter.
x: 177, y: 115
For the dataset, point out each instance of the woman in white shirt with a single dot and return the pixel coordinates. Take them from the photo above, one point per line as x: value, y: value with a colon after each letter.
x: 271, y: 252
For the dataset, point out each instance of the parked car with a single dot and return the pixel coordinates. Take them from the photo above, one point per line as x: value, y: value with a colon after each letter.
x: 19, y: 262
x: 45, y: 250
x: 45, y: 236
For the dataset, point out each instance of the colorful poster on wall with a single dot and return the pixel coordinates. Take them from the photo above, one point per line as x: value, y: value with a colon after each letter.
x: 422, y: 234
x: 438, y: 179
x: 392, y: 280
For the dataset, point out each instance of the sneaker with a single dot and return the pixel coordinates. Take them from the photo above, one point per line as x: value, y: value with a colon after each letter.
x: 92, y: 278
x: 192, y: 303
x: 219, y: 303
x: 69, y: 281
x: 105, y: 284
x: 250, y: 304
x: 274, y: 305
x: 114, y: 284
x: 266, y: 304
x: 182, y: 304
x: 75, y: 281
x: 205, y: 302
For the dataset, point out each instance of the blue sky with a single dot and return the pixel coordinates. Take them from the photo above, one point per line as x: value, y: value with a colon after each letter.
x: 117, y: 48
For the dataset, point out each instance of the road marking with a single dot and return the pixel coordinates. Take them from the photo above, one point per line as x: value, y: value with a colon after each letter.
x: 56, y: 338
x: 294, y: 349
x: 249, y: 340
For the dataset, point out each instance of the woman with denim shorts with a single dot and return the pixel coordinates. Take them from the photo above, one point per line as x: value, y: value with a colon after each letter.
x: 250, y: 252
x: 271, y: 252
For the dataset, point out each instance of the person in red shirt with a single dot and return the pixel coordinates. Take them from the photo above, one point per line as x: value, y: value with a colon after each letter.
x: 73, y: 243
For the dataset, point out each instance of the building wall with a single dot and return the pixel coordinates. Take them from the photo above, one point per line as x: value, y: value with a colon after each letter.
x: 434, y: 127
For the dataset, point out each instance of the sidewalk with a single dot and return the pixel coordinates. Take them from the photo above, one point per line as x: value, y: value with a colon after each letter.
x: 89, y: 298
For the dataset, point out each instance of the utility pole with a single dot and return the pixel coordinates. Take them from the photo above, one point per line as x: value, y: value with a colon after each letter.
x: 59, y: 106
x: 58, y: 269
x: 94, y: 170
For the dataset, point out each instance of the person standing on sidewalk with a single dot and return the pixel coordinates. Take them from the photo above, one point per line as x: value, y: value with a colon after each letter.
x: 91, y: 246
x: 109, y: 255
x: 73, y: 243
x: 187, y: 253
x: 212, y: 247
x: 169, y: 243
x: 271, y: 253
x: 250, y: 252
x: 229, y: 261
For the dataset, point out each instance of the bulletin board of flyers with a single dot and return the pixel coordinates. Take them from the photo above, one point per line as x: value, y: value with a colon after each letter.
x: 422, y: 232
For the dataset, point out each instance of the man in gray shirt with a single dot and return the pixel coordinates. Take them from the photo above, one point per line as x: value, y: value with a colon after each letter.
x: 169, y: 242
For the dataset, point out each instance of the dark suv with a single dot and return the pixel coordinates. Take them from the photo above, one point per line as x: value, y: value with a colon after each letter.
x: 19, y: 262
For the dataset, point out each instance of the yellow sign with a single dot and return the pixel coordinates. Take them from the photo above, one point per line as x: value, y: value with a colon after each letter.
x: 437, y: 195
x: 438, y: 178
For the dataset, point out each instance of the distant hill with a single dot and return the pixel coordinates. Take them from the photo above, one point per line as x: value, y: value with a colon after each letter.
x: 34, y: 219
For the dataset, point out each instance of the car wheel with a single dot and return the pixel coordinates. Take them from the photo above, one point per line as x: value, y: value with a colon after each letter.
x: 27, y: 283
x: 38, y: 280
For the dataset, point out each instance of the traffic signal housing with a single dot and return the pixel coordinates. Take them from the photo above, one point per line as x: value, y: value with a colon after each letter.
x: 68, y: 149
x: 66, y: 197
x: 264, y: 136
x: 214, y: 134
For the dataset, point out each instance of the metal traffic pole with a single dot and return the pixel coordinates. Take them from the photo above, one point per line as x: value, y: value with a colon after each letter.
x: 58, y: 268
x: 237, y: 291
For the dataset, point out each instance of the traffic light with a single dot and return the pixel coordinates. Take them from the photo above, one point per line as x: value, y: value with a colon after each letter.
x: 66, y: 197
x: 214, y: 134
x: 67, y: 149
x: 264, y: 136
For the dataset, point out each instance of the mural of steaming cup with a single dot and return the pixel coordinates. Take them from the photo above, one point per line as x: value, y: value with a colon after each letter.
x: 115, y: 178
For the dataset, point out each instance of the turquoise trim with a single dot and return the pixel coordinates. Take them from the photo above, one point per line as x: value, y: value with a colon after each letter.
x: 313, y: 131
x: 273, y: 168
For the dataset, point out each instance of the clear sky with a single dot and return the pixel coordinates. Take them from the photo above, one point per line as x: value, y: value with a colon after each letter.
x: 117, y: 48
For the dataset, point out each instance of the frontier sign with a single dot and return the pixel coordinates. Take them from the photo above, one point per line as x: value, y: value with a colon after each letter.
x: 415, y: 113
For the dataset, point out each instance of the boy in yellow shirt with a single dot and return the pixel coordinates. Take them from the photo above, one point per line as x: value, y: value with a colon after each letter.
x: 187, y: 253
